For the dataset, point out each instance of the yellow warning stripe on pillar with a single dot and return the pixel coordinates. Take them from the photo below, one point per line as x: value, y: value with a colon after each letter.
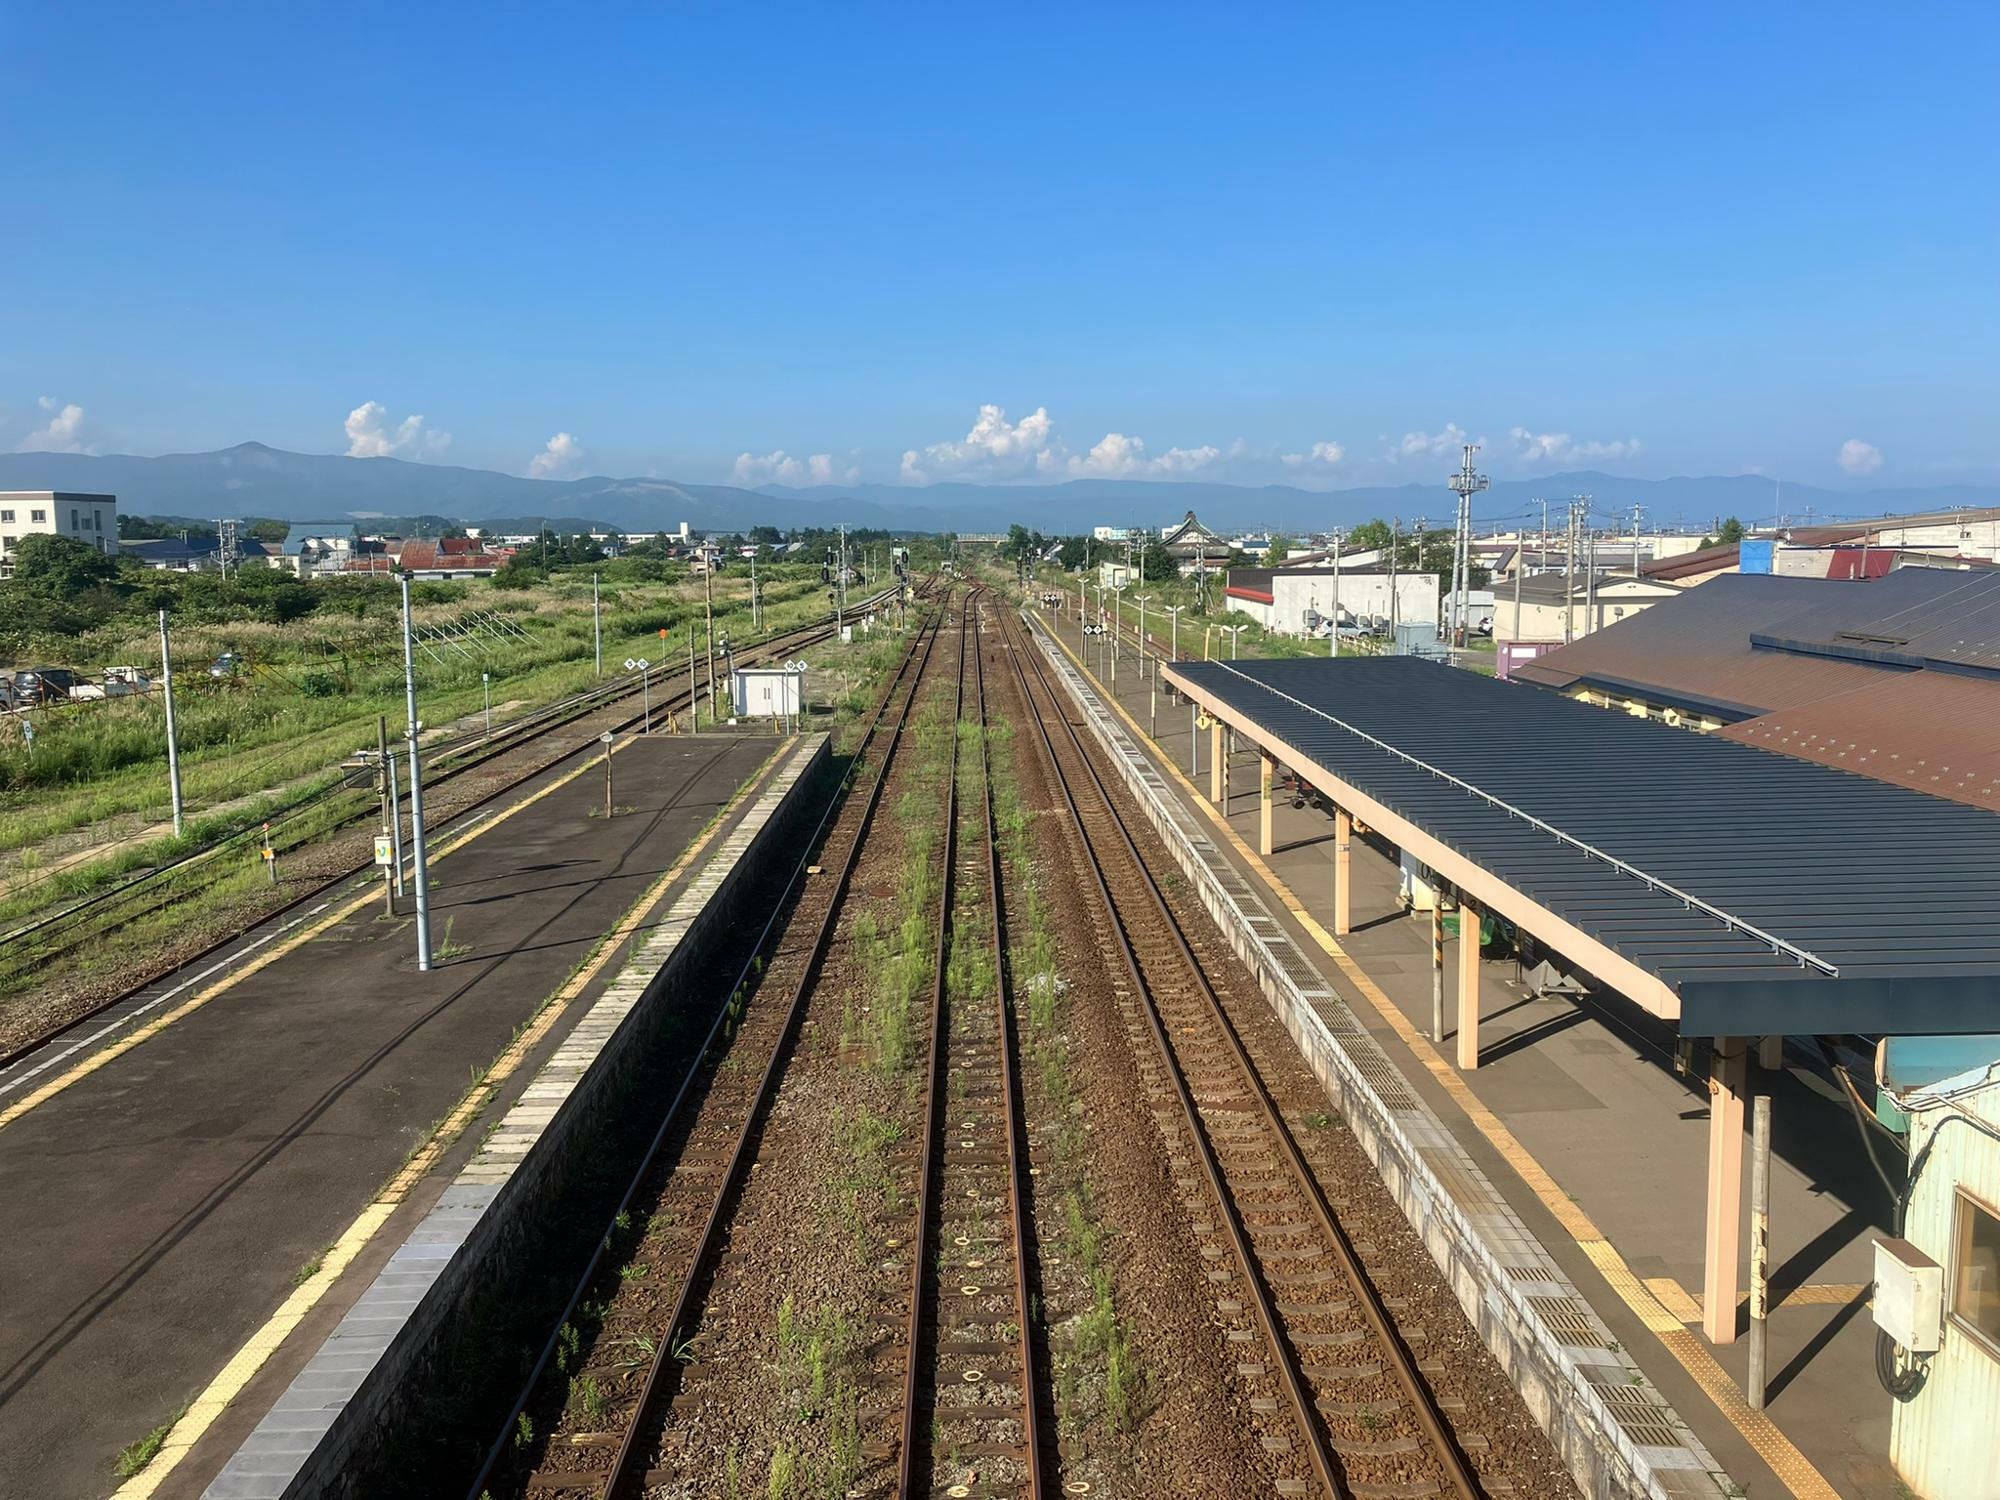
x: 1794, y: 1470
x: 267, y: 1340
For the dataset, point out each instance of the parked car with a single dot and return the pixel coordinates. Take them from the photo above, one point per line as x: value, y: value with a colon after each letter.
x: 226, y: 665
x: 118, y: 682
x: 37, y: 685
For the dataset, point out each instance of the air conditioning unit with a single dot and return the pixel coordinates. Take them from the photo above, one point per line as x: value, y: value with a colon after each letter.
x: 1909, y: 1296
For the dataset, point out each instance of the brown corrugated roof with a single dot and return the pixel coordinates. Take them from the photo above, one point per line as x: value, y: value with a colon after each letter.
x: 1694, y: 650
x: 1688, y: 564
x: 1936, y: 732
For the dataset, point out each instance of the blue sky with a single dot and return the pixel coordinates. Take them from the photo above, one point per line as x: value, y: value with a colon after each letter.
x: 1263, y: 243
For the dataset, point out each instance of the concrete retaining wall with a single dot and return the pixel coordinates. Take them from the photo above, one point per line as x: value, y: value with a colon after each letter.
x: 1618, y: 1436
x: 326, y: 1432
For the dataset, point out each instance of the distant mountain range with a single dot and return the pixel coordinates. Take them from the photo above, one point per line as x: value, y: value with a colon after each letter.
x: 254, y: 480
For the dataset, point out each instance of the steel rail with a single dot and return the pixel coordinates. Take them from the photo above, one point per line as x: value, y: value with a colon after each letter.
x: 1010, y: 1074
x: 706, y: 1244
x: 1429, y: 1418
x: 934, y: 1091
x: 1806, y: 959
x: 779, y: 909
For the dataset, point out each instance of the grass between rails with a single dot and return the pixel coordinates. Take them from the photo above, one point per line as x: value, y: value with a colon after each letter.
x: 1099, y: 1380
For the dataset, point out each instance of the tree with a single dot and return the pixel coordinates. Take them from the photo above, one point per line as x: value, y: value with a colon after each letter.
x: 1733, y: 531
x: 1369, y: 535
x: 61, y: 565
x: 1156, y: 563
x: 264, y: 529
x: 1278, y: 551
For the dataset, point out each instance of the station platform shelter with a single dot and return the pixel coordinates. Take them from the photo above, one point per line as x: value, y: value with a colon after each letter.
x: 1677, y: 925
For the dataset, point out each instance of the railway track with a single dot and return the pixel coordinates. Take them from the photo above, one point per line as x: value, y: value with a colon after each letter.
x: 1338, y: 1405
x: 973, y: 1396
x: 595, y: 1415
x: 100, y: 917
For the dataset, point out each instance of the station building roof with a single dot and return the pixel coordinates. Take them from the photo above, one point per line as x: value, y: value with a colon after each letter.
x: 1741, y: 891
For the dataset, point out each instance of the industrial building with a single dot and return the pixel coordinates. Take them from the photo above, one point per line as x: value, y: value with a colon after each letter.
x: 90, y: 519
x: 1304, y: 600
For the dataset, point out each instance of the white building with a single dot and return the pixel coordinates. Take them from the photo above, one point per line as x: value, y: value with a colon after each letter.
x: 1300, y: 601
x: 1937, y: 1294
x: 91, y: 519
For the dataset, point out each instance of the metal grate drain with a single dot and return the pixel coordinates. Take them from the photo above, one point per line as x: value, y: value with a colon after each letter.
x: 1385, y: 1080
x: 1639, y: 1412
x: 1569, y: 1320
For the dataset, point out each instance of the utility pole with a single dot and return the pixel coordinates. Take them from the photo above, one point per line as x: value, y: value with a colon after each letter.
x: 756, y: 609
x: 1569, y: 574
x: 1466, y: 483
x: 1395, y: 612
x: 1590, y: 620
x: 708, y: 603
x: 1334, y: 649
x: 486, y: 681
x: 841, y: 578
x: 1636, y: 512
x: 596, y: 625
x: 1520, y: 567
x: 694, y: 696
x: 173, y: 740
x: 418, y: 856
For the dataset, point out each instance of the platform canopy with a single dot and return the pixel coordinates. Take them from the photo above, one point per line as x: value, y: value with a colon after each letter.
x: 1736, y: 890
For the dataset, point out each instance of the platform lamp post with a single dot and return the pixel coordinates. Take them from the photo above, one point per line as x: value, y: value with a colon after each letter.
x: 486, y: 681
x: 419, y: 859
x: 1173, y: 612
x: 1142, y: 598
x: 1234, y: 632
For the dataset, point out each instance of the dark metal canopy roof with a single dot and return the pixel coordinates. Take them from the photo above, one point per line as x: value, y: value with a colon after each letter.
x: 1770, y: 894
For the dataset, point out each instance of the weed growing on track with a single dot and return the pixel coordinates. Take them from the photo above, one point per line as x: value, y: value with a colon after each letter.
x: 1096, y: 1361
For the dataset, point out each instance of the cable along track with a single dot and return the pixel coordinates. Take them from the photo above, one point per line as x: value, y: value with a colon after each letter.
x: 1337, y: 1402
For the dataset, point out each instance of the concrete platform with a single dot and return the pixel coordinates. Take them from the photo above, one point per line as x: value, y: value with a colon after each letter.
x: 169, y: 1187
x: 1581, y: 1096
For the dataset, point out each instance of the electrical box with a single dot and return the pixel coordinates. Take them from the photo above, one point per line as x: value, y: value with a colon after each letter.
x: 1909, y: 1296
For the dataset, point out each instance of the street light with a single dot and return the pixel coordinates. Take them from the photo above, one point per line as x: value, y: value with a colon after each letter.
x: 1234, y: 632
x: 1142, y: 598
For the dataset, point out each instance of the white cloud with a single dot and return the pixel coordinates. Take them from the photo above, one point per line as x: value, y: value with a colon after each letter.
x: 564, y: 457
x: 994, y: 449
x: 1558, y: 447
x: 1428, y: 444
x: 1858, y: 457
x: 779, y: 467
x: 1117, y: 456
x: 63, y: 433
x: 1319, y: 456
x: 369, y: 434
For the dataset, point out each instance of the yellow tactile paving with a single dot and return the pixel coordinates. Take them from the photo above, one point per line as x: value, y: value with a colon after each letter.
x: 1792, y: 1467
x: 70, y: 1077
x: 247, y: 1361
